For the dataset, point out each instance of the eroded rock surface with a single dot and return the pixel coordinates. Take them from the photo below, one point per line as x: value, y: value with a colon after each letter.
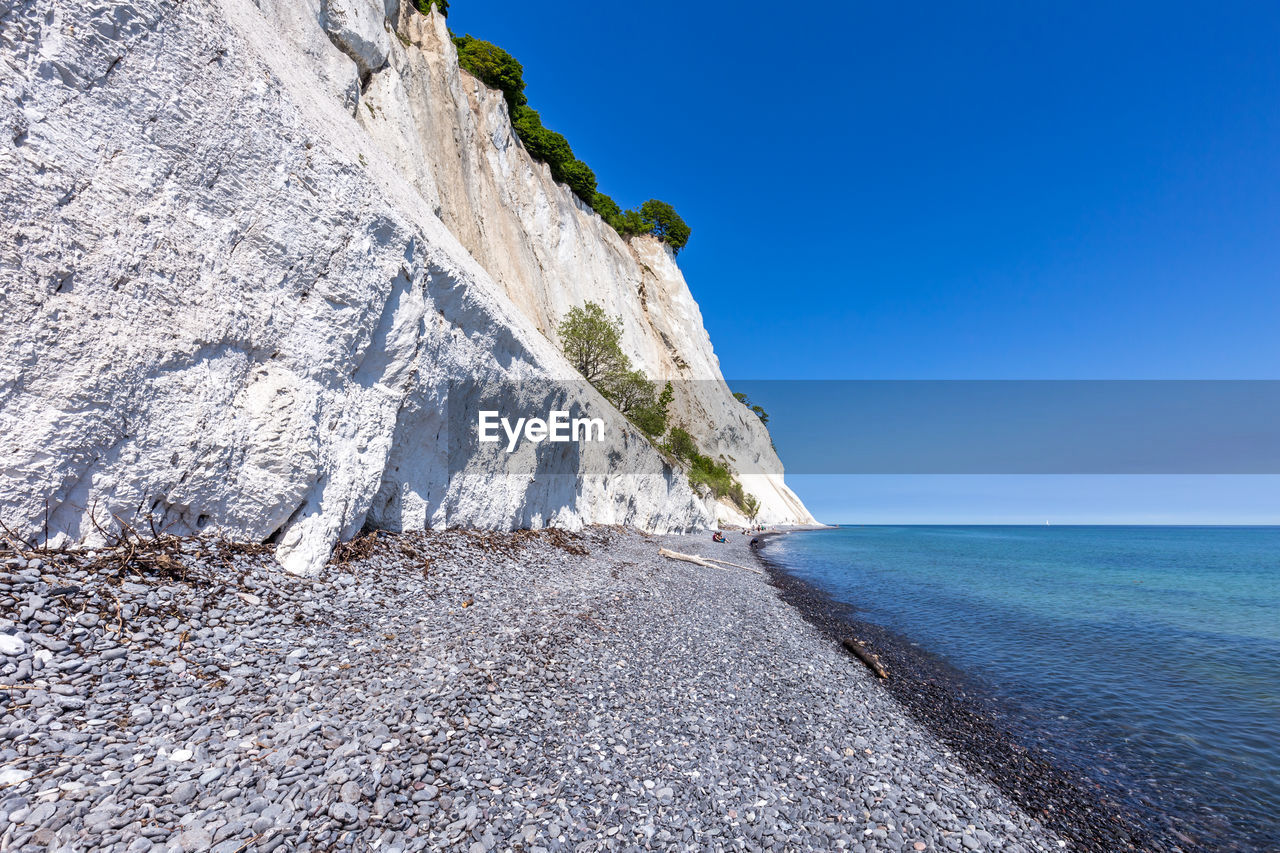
x: 230, y: 303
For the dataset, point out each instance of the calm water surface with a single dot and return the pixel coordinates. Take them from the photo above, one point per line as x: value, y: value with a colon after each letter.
x: 1145, y: 657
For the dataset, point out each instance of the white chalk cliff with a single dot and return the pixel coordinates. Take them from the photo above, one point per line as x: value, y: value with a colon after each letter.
x: 250, y: 247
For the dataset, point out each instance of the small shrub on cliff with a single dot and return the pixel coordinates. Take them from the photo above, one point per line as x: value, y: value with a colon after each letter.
x: 494, y: 67
x: 703, y: 470
x: 638, y: 398
x: 756, y: 410
x: 716, y: 477
x: 544, y: 144
x: 628, y: 223
x: 681, y: 445
x: 629, y: 391
x: 632, y: 224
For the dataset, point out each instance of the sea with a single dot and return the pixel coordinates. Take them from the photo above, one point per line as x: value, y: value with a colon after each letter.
x: 1145, y: 658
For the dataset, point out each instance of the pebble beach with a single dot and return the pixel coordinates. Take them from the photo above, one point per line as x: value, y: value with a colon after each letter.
x: 455, y: 690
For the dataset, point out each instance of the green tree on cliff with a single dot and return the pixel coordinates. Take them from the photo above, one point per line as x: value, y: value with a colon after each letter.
x: 591, y: 340
x: 553, y: 149
x: 579, y: 177
x: 544, y: 144
x: 494, y: 67
x: 663, y: 222
x: 637, y: 398
x: 607, y: 208
x: 498, y: 69
x: 424, y: 6
x: 682, y: 445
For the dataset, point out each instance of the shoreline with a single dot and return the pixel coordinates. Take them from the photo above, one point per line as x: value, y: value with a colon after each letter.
x: 958, y: 711
x: 539, y: 691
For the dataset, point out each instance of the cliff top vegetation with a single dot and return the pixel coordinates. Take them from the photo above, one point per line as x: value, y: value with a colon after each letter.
x: 499, y: 70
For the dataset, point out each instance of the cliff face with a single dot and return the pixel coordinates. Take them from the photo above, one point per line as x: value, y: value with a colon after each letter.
x: 249, y: 250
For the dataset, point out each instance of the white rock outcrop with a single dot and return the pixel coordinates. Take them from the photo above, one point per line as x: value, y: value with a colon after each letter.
x: 452, y: 137
x: 251, y: 248
x: 359, y: 29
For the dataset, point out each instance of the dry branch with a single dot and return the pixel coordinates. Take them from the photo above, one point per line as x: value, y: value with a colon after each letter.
x: 735, y: 565
x: 690, y: 558
x: 868, y: 657
x: 706, y: 562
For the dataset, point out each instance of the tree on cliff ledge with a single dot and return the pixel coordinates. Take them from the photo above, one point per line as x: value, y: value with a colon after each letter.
x: 662, y: 221
x: 553, y: 149
x: 592, y: 342
x: 494, y: 67
x: 498, y: 69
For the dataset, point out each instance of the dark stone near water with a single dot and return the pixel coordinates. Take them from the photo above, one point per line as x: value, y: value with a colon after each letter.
x: 949, y: 705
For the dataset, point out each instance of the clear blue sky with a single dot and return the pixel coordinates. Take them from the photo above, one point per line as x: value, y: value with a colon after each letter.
x: 981, y: 191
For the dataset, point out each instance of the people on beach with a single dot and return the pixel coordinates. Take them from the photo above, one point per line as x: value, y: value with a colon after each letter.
x: 717, y: 536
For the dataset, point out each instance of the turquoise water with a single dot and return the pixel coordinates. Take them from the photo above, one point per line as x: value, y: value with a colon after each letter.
x: 1152, y: 652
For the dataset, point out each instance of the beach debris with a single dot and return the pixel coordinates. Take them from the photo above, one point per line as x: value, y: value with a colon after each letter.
x: 359, y: 548
x: 860, y: 650
x: 735, y: 565
x: 705, y: 562
x: 687, y: 558
x: 376, y: 543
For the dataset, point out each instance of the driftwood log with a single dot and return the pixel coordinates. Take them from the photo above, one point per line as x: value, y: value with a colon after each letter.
x: 735, y: 565
x: 689, y: 558
x: 859, y: 650
x: 707, y: 562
